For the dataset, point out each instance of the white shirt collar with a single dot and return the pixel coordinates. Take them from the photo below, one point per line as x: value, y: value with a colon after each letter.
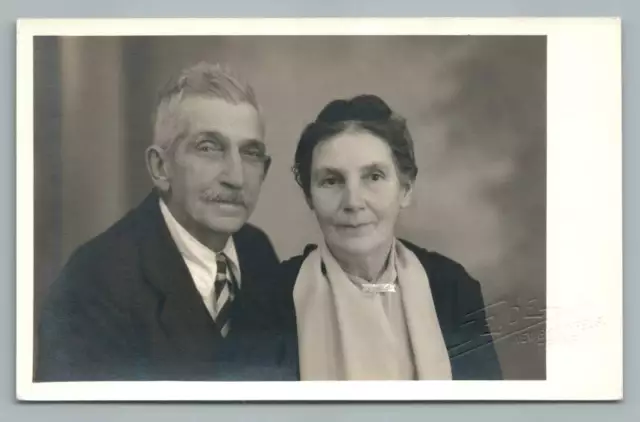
x: 193, y: 250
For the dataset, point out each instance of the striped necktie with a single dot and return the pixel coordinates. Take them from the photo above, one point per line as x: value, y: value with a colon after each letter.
x: 225, y: 291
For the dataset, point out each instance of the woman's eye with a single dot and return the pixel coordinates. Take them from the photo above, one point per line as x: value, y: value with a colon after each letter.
x: 376, y: 176
x: 329, y: 181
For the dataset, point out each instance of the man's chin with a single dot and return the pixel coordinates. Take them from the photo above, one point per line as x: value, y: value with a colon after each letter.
x: 226, y: 224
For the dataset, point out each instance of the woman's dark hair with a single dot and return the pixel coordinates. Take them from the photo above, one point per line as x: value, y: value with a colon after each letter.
x: 364, y: 112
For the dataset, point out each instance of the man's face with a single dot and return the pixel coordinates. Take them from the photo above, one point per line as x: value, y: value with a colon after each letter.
x: 216, y: 166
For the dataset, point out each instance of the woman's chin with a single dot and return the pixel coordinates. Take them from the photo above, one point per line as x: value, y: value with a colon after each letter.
x: 357, y: 245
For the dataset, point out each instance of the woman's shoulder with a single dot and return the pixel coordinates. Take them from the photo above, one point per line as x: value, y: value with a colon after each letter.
x: 443, y: 269
x: 296, y: 260
x: 454, y: 290
x: 290, y: 268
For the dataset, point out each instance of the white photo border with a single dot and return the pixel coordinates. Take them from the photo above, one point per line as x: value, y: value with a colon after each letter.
x: 584, y: 213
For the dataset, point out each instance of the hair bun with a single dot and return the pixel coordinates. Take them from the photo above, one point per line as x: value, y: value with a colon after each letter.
x: 364, y: 108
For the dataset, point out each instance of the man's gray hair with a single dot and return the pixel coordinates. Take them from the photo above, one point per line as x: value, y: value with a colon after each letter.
x: 203, y: 79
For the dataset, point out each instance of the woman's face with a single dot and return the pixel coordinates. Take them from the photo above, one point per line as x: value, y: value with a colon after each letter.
x: 356, y: 192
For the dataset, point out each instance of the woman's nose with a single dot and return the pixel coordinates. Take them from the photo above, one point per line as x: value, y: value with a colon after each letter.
x: 352, y: 198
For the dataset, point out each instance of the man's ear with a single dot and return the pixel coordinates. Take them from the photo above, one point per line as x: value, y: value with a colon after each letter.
x: 158, y: 168
x: 407, y: 195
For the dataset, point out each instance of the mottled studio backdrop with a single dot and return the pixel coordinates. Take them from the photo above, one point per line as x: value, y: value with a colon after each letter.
x: 476, y: 107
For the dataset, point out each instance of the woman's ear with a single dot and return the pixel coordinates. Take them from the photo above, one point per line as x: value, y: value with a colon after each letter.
x: 158, y: 168
x: 407, y: 194
x: 307, y: 199
x: 267, y: 166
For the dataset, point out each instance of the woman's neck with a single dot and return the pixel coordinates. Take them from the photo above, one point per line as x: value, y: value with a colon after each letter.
x: 366, y: 266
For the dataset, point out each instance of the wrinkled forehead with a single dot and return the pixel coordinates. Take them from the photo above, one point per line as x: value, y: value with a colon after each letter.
x: 188, y: 116
x: 351, y: 151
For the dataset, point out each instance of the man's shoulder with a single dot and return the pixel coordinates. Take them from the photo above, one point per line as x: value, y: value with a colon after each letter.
x: 114, y: 250
x: 251, y: 238
x: 111, y: 242
x: 250, y: 232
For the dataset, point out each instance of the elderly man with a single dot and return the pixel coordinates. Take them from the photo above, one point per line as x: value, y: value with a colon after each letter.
x: 179, y: 288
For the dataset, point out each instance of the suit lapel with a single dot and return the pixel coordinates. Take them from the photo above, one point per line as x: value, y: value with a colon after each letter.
x: 182, y: 315
x: 247, y: 279
x: 252, y: 308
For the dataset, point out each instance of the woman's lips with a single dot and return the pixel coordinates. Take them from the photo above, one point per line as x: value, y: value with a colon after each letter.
x: 354, y: 228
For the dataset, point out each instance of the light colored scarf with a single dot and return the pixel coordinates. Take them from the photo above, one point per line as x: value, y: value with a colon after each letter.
x: 344, y: 333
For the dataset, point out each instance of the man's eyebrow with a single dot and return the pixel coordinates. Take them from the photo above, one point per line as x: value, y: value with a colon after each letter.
x: 212, y: 134
x: 221, y: 137
x: 252, y: 142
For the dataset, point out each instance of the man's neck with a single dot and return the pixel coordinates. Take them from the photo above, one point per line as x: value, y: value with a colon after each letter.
x: 215, y: 241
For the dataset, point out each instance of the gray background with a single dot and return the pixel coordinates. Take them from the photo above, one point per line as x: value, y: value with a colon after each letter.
x: 522, y: 412
x: 476, y: 107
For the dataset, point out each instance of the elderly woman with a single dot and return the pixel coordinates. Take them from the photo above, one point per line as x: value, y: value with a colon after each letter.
x: 365, y: 305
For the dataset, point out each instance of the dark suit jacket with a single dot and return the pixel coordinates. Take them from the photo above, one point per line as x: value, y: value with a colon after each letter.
x: 459, y: 306
x: 125, y: 308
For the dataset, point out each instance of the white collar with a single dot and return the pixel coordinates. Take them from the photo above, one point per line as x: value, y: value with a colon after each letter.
x: 192, y: 249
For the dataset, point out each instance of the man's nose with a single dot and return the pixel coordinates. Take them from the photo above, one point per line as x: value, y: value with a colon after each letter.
x: 232, y: 173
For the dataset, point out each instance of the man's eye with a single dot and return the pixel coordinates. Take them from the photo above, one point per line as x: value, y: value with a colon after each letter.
x: 252, y: 152
x: 209, y: 146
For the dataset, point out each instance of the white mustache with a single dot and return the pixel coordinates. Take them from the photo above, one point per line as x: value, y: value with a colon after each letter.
x: 235, y: 198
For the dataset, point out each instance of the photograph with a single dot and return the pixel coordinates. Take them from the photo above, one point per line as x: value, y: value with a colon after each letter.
x: 290, y: 210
